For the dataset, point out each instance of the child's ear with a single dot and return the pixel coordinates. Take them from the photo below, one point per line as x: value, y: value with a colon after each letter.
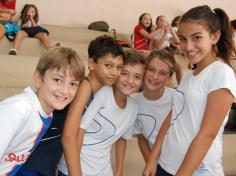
x: 215, y: 37
x: 91, y: 64
x: 37, y: 78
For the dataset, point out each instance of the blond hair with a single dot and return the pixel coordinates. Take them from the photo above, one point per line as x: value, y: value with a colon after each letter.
x: 61, y: 57
x: 165, y: 56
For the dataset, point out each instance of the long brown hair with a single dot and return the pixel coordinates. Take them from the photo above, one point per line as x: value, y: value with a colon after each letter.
x: 214, y: 20
x: 24, y: 12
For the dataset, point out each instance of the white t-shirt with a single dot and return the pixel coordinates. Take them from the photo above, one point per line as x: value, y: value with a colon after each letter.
x: 167, y: 39
x: 187, y: 113
x: 152, y: 114
x: 104, y: 123
x: 27, y: 23
x: 22, y: 125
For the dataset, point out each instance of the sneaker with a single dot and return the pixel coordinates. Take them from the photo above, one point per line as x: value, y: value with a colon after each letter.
x: 12, y: 52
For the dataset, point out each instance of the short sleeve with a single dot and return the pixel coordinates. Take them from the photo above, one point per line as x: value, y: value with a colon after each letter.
x: 128, y: 134
x: 94, y: 106
x: 137, y: 129
x: 138, y: 28
x: 10, y: 123
x: 222, y: 76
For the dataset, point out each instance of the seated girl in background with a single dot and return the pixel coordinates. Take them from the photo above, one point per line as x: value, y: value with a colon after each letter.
x: 7, y: 11
x: 166, y: 35
x: 143, y: 32
x: 29, y: 21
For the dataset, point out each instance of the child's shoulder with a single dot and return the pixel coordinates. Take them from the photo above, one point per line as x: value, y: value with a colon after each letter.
x: 132, y: 102
x: 169, y: 90
x: 106, y: 90
x: 138, y: 27
x: 21, y: 103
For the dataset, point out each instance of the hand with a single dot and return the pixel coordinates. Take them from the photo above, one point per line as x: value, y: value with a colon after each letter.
x: 12, y: 12
x: 150, y: 168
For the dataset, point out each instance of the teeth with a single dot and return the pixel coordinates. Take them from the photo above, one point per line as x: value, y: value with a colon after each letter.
x: 192, y: 53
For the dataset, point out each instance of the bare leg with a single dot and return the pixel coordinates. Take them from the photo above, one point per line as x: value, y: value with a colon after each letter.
x: 43, y: 37
x: 2, y: 31
x: 20, y: 35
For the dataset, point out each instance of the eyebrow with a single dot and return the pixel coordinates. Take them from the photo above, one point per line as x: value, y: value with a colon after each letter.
x: 196, y: 33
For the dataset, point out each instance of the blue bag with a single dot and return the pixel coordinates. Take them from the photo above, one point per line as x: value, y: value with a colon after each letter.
x: 11, y: 30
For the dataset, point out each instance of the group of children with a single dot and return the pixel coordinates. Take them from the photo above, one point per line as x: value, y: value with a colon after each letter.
x: 179, y: 131
x: 28, y: 25
x: 155, y: 37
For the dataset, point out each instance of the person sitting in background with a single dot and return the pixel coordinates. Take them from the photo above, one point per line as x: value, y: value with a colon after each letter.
x: 7, y: 11
x: 166, y: 36
x: 175, y: 23
x: 143, y: 32
x: 29, y: 21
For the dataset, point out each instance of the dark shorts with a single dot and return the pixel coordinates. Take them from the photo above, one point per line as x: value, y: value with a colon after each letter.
x: 32, y: 31
x: 162, y: 172
x: 44, y: 159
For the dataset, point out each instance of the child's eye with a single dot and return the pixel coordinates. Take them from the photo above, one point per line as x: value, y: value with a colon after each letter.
x: 182, y: 38
x: 196, y: 37
x: 164, y: 73
x: 57, y: 80
x: 74, y: 84
x: 123, y: 73
x: 150, y: 69
x: 138, y: 77
x: 108, y: 65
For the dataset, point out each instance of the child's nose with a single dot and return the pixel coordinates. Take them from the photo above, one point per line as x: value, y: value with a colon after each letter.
x: 130, y: 79
x: 65, y: 88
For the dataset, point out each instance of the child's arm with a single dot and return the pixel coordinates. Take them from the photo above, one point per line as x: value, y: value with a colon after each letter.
x: 9, y: 11
x: 157, y: 43
x: 10, y: 124
x: 6, y: 14
x: 179, y: 72
x: 120, y: 155
x: 214, y: 116
x: 175, y: 38
x: 33, y: 22
x: 150, y: 168
x: 71, y: 127
x: 80, y: 143
x: 148, y: 35
x: 144, y: 147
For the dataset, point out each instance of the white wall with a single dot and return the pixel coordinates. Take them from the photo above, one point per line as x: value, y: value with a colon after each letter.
x: 120, y: 14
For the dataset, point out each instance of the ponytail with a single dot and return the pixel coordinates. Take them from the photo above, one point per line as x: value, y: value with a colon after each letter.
x: 214, y: 21
x: 225, y: 43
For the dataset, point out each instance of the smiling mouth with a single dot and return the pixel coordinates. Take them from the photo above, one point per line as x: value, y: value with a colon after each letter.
x: 154, y: 83
x: 60, y: 98
x: 192, y: 53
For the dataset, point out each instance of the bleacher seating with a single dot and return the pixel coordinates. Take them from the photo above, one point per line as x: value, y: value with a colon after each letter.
x: 16, y: 73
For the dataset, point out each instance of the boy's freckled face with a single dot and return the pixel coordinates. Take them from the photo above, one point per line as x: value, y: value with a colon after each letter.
x: 56, y: 88
x: 130, y: 79
x: 157, y: 75
x: 108, y: 68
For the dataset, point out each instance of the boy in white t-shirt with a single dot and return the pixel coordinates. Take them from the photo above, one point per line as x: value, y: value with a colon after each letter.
x: 24, y: 118
x: 155, y: 101
x: 109, y: 118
